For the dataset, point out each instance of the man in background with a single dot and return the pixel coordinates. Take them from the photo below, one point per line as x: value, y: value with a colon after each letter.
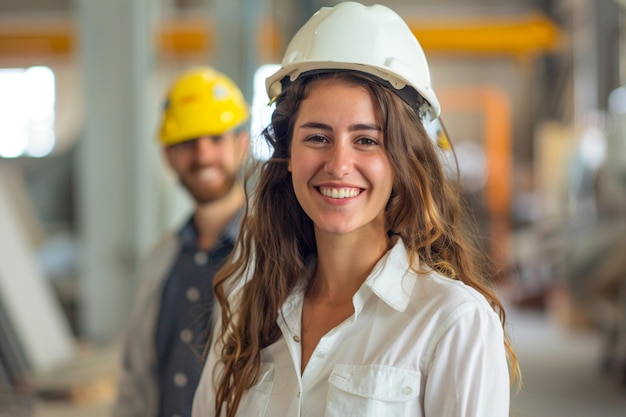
x: 205, y: 141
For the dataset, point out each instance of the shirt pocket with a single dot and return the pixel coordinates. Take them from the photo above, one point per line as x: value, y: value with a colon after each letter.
x: 255, y: 399
x: 372, y: 390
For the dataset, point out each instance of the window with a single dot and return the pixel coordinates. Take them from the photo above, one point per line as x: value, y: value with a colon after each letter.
x: 260, y: 112
x: 27, y: 97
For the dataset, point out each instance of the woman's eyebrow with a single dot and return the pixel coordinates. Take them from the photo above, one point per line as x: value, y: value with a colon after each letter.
x: 364, y: 126
x: 351, y: 128
x: 315, y: 125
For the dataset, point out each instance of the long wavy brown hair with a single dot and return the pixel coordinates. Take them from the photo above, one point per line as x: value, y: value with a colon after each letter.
x: 425, y: 210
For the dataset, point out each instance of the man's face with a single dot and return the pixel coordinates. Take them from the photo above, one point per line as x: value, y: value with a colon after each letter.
x: 207, y: 167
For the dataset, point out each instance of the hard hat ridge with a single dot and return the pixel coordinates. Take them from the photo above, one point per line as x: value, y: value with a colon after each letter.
x: 371, y: 39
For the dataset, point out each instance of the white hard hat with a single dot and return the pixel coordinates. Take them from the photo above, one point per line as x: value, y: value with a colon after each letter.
x: 370, y: 39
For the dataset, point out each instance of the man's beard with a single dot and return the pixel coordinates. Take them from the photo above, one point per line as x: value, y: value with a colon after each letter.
x: 204, y: 194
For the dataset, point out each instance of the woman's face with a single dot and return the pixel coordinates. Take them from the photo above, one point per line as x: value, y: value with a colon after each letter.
x: 341, y: 175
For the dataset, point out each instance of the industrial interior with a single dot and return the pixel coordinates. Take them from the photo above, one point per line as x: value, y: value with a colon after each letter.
x: 533, y: 96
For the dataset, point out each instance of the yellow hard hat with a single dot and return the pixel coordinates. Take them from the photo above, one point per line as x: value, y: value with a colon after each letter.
x: 201, y: 102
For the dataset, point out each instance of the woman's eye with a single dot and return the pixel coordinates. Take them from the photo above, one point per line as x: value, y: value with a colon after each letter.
x: 367, y: 141
x: 317, y: 138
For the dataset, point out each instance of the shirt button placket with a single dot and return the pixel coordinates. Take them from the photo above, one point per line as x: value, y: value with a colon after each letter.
x: 200, y: 258
x: 180, y: 379
x: 321, y: 353
x: 186, y: 336
x: 193, y: 294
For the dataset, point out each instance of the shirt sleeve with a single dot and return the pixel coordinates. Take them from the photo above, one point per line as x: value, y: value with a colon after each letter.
x: 137, y: 384
x: 468, y: 374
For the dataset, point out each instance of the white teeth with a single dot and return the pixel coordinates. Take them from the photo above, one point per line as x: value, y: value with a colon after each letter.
x: 208, y: 174
x: 339, y: 192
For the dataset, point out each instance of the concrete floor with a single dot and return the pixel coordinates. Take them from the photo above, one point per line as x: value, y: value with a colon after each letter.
x: 561, y: 370
x: 560, y: 367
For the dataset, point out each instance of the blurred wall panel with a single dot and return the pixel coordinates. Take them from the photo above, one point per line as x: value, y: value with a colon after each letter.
x: 41, y: 328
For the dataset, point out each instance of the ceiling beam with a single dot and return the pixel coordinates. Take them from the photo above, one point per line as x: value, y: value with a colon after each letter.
x: 517, y: 36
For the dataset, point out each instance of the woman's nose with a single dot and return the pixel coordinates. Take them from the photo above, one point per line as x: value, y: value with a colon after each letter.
x: 340, y: 160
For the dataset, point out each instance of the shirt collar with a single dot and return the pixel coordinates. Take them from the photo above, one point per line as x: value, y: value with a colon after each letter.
x: 392, y: 278
x: 188, y: 234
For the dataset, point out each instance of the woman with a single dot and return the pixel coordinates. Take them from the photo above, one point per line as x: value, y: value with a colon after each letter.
x: 354, y: 291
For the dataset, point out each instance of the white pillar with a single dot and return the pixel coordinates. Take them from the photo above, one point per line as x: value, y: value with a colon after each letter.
x: 236, y: 23
x: 116, y: 154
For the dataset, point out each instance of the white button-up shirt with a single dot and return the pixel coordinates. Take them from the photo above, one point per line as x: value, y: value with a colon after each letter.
x: 416, y: 345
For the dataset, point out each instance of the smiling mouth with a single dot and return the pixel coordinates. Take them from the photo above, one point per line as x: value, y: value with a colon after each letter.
x: 339, y: 192
x: 208, y: 174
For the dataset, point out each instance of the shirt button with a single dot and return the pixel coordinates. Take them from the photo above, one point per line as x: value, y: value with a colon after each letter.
x: 180, y: 379
x: 193, y: 294
x: 200, y: 258
x: 186, y: 335
x: 321, y: 353
x: 407, y: 390
x: 299, y: 394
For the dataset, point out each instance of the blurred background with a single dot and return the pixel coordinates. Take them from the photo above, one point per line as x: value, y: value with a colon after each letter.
x: 534, y: 99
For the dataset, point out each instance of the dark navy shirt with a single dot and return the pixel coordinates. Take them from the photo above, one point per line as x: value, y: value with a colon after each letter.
x: 182, y: 327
